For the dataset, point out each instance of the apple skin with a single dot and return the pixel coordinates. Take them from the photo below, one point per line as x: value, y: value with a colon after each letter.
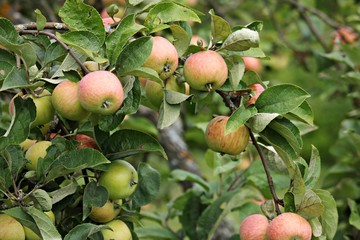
x: 163, y: 57
x: 107, y: 212
x: 254, y: 227
x: 86, y: 141
x: 205, y: 70
x: 10, y: 228
x: 257, y: 89
x: 107, y: 21
x: 101, y: 92
x: 288, y: 226
x: 65, y: 100
x: 36, y: 151
x: 252, y: 64
x: 120, y: 180
x: 233, y: 143
x: 120, y: 231
x: 194, y: 41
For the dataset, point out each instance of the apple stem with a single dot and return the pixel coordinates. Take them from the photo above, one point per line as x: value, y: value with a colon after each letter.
x: 209, y: 87
x: 267, y: 171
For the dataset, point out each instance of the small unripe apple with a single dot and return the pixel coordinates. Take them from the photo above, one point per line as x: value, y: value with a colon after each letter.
x: 254, y: 227
x: 86, y: 141
x: 36, y: 151
x: 120, y: 231
x: 252, y: 64
x: 107, y: 212
x: 288, y: 226
x: 65, y: 99
x: 163, y: 57
x: 101, y: 92
x: 257, y: 89
x: 10, y: 228
x: 205, y: 70
x: 232, y: 143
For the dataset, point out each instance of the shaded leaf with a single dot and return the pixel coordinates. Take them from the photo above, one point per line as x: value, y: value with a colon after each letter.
x: 84, y: 231
x: 41, y: 199
x: 181, y: 39
x: 169, y: 113
x: 259, y: 122
x: 314, y: 169
x: 311, y: 205
x: 181, y: 175
x: 94, y: 196
x: 239, y: 118
x: 220, y: 28
x: 289, y: 202
x: 354, y: 218
x: 155, y: 233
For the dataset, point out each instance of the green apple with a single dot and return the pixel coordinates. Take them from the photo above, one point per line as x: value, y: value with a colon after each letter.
x: 36, y: 151
x: 107, y: 212
x: 254, y: 227
x: 120, y: 179
x: 101, y: 92
x: 10, y: 228
x: 205, y: 70
x: 120, y: 231
x: 232, y: 143
x: 27, y: 143
x: 163, y: 57
x: 65, y: 99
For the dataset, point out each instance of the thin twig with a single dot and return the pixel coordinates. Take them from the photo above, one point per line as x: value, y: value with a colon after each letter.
x: 48, y: 26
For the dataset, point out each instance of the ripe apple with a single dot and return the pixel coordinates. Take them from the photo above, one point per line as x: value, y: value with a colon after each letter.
x: 257, y: 89
x: 10, y: 228
x: 31, y: 235
x: 107, y: 212
x: 252, y: 64
x: 65, y: 99
x: 107, y: 21
x: 120, y: 179
x: 254, y: 227
x: 289, y: 226
x: 101, y: 92
x: 205, y: 70
x: 86, y: 141
x: 232, y: 143
x: 346, y: 35
x: 36, y: 151
x: 120, y: 231
x: 44, y: 109
x: 163, y: 57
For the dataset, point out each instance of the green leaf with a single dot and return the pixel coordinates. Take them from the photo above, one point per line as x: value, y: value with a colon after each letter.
x: 236, y: 68
x: 69, y: 64
x: 259, y: 122
x: 316, y: 227
x: 79, y: 16
x: 148, y: 185
x: 18, y: 130
x: 84, y: 231
x: 339, y: 57
x: 329, y: 218
x: 54, y: 52
x: 311, y: 205
x: 220, y: 28
x: 254, y: 52
x: 169, y: 113
x: 181, y: 175
x: 304, y: 113
x: 40, y: 20
x: 289, y: 202
x: 155, y: 233
x: 239, y: 118
x: 181, y: 38
x: 134, y: 55
x: 61, y: 193
x: 147, y: 73
x: 41, y: 199
x: 94, y: 196
x: 14, y: 156
x: 128, y: 142
x: 116, y: 41
x: 24, y: 218
x: 298, y: 184
x: 173, y: 97
x: 281, y: 99
x: 16, y: 78
x: 354, y: 218
x: 314, y: 169
x: 241, y: 40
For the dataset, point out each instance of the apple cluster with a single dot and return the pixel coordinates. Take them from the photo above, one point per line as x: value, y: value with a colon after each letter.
x: 285, y: 226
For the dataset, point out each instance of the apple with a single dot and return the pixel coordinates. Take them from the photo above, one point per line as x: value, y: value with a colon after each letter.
x: 107, y: 212
x: 27, y: 143
x: 101, y: 92
x: 44, y: 109
x: 257, y: 89
x: 120, y: 180
x: 232, y: 143
x: 289, y: 226
x: 36, y: 151
x: 10, y: 228
x: 252, y: 64
x: 205, y: 70
x: 120, y: 231
x: 195, y: 39
x: 346, y: 35
x: 107, y: 21
x: 65, y: 99
x: 163, y: 57
x: 86, y: 141
x: 254, y: 227
x: 31, y: 235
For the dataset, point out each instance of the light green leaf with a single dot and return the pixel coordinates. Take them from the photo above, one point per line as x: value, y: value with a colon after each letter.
x: 40, y: 20
x: 16, y: 78
x: 241, y: 40
x: 298, y: 185
x: 236, y: 68
x: 220, y: 28
x: 54, y: 52
x: 316, y: 227
x: 181, y: 38
x: 169, y: 113
x: 181, y: 175
x: 259, y: 122
x: 147, y: 73
x: 61, y: 193
x: 239, y: 118
x: 155, y: 233
x: 42, y: 200
x: 314, y: 169
x: 311, y: 205
x: 84, y: 231
x: 174, y: 97
x: 69, y: 64
x: 354, y: 218
x: 304, y: 113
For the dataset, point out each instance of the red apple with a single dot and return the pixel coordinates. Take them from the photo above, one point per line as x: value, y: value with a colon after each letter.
x: 205, y: 71
x: 289, y: 226
x: 65, y: 99
x: 107, y: 21
x: 101, y: 92
x: 254, y: 227
x: 163, y: 57
x: 232, y: 143
x: 257, y: 89
x: 252, y: 64
x: 86, y: 141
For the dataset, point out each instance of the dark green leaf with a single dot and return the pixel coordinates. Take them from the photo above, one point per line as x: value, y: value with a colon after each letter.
x: 16, y: 78
x: 14, y: 157
x: 84, y: 231
x: 41, y: 199
x: 289, y: 202
x: 94, y: 196
x: 23, y: 217
x: 181, y: 175
x: 54, y: 52
x: 69, y: 63
x: 155, y: 233
x: 220, y: 28
x: 239, y: 117
x: 40, y: 20
x: 354, y: 218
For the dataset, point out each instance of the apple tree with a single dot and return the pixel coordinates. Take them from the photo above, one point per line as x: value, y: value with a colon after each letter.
x: 72, y: 144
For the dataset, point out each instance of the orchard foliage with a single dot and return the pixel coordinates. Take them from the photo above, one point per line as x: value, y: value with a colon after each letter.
x: 66, y: 179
